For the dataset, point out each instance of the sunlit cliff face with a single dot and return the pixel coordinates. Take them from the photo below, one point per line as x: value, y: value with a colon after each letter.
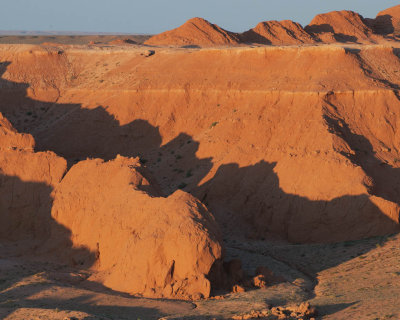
x: 134, y: 163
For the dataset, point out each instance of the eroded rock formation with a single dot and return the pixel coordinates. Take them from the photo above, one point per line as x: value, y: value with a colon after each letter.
x: 145, y: 244
x: 332, y: 27
x: 284, y: 32
x: 196, y: 31
x: 106, y: 216
x: 120, y: 159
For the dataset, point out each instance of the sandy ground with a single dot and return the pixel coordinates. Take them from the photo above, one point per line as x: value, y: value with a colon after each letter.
x: 349, y: 280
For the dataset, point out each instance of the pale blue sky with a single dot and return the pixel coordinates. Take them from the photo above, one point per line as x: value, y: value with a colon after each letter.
x: 154, y: 16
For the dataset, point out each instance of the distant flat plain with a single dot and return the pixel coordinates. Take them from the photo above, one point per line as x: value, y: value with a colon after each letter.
x: 21, y: 37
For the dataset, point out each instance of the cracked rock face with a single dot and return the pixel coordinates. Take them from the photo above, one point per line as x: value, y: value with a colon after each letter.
x: 291, y: 149
x: 145, y: 245
x: 107, y: 216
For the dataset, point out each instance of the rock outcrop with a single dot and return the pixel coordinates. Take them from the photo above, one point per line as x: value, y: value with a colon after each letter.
x: 26, y: 181
x: 226, y: 139
x: 277, y: 33
x: 196, y: 31
x: 332, y: 27
x: 106, y: 216
x: 388, y: 21
x: 144, y: 244
x: 341, y: 26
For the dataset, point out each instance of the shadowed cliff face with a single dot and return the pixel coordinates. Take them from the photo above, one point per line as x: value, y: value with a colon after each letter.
x: 269, y: 210
x: 384, y: 181
x: 83, y: 215
x: 26, y: 218
x: 246, y: 200
x: 387, y: 22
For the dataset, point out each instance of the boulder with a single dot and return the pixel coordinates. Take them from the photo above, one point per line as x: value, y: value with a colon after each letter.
x: 143, y: 243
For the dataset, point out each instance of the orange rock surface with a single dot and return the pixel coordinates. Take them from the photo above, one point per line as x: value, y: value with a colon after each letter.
x: 196, y: 31
x: 257, y: 143
x: 26, y: 180
x: 10, y: 139
x: 106, y: 216
x: 341, y: 26
x: 144, y: 244
x: 277, y: 33
x: 332, y: 27
x: 121, y: 157
x: 388, y: 21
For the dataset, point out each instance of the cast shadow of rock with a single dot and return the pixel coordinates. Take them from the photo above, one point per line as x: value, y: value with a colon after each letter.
x: 344, y: 38
x: 385, y: 179
x: 77, y: 133
x: 84, y: 302
x: 249, y: 201
x: 28, y: 229
x: 25, y: 217
x: 26, y: 221
x: 191, y: 46
x: 245, y: 199
x: 251, y: 36
x: 331, y: 309
x: 316, y: 30
x: 383, y: 24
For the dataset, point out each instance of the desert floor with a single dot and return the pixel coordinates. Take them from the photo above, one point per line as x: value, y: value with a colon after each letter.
x: 348, y: 280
